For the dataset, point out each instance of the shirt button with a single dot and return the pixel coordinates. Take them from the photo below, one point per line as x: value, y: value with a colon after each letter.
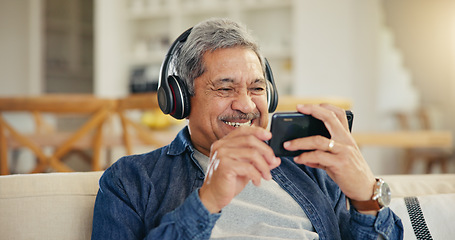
x: 200, y: 225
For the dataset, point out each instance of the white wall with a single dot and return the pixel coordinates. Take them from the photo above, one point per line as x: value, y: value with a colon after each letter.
x: 424, y: 31
x: 20, y: 47
x: 14, y: 47
x: 111, y: 63
x: 337, y: 54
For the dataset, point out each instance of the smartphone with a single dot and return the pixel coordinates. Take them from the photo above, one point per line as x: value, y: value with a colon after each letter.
x: 287, y: 126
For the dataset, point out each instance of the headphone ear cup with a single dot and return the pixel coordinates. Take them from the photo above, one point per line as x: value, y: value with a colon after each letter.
x: 181, y: 107
x: 271, y: 97
x: 165, y: 97
x: 272, y: 92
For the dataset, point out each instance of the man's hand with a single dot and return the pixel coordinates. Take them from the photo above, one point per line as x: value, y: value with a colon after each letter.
x: 340, y: 158
x: 239, y: 157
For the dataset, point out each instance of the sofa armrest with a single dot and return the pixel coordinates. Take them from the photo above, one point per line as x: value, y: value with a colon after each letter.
x: 48, y: 206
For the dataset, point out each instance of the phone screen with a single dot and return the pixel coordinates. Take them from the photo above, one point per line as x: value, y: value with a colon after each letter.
x: 287, y: 126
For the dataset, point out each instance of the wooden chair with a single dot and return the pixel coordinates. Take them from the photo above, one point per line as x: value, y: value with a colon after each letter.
x: 431, y: 156
x: 89, y: 135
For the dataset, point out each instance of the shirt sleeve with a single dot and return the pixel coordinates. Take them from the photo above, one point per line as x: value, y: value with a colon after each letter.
x: 385, y: 225
x: 191, y: 221
x: 115, y: 217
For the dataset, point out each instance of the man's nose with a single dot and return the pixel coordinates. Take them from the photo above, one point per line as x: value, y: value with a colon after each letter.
x: 243, y: 102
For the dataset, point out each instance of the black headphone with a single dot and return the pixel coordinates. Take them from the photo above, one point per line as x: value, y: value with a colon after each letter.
x: 173, y: 96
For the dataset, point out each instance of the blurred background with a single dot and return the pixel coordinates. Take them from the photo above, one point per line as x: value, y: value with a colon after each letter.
x: 391, y: 59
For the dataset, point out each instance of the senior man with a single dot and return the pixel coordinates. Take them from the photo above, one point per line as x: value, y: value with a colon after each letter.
x: 219, y: 179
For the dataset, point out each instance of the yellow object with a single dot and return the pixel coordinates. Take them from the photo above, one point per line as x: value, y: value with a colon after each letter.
x: 156, y: 119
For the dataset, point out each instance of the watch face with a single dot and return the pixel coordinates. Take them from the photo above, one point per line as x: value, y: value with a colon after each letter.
x: 385, y: 195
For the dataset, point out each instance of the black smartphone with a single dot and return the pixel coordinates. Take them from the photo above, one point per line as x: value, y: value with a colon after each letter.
x: 287, y: 126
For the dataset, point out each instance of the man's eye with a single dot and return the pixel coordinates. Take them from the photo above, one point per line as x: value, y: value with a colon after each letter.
x: 258, y: 89
x: 224, y: 89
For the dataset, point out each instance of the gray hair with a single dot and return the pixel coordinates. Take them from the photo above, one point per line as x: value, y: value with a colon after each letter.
x: 209, y: 35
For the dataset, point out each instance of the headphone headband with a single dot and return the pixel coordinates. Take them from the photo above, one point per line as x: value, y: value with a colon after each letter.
x: 165, y: 65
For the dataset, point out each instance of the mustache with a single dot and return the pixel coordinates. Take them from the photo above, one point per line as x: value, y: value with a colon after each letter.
x: 240, y: 116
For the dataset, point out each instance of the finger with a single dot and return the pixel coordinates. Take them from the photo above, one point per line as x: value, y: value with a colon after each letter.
x: 330, y: 119
x: 312, y: 143
x: 242, y: 169
x: 248, y: 142
x: 259, y: 148
x: 250, y: 156
x: 318, y: 159
x: 258, y: 132
x: 339, y: 112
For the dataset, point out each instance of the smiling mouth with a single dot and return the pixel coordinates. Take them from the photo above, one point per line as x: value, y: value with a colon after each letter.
x: 238, y: 124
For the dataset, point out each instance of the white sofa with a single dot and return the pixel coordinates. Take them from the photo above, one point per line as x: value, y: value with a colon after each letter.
x: 60, y: 205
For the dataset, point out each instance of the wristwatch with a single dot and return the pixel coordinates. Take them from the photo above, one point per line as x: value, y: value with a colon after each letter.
x: 380, y: 199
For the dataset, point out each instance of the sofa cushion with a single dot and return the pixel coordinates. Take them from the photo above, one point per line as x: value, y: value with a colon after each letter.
x: 47, y: 206
x: 438, y: 212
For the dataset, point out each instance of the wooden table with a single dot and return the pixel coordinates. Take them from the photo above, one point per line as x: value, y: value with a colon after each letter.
x: 289, y: 103
x: 405, y: 139
x: 433, y: 147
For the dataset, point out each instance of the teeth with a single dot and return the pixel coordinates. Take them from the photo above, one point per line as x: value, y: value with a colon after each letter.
x: 237, y: 124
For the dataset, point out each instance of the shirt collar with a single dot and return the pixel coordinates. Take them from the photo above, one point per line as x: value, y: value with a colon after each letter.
x: 181, y: 143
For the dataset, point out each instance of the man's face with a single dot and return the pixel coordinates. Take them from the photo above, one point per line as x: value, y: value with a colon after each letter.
x: 230, y: 93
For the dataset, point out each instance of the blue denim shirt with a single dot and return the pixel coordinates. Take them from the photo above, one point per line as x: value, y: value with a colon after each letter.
x: 155, y: 196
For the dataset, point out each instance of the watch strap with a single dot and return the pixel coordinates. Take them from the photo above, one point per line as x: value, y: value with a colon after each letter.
x: 373, y: 203
x: 368, y: 205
